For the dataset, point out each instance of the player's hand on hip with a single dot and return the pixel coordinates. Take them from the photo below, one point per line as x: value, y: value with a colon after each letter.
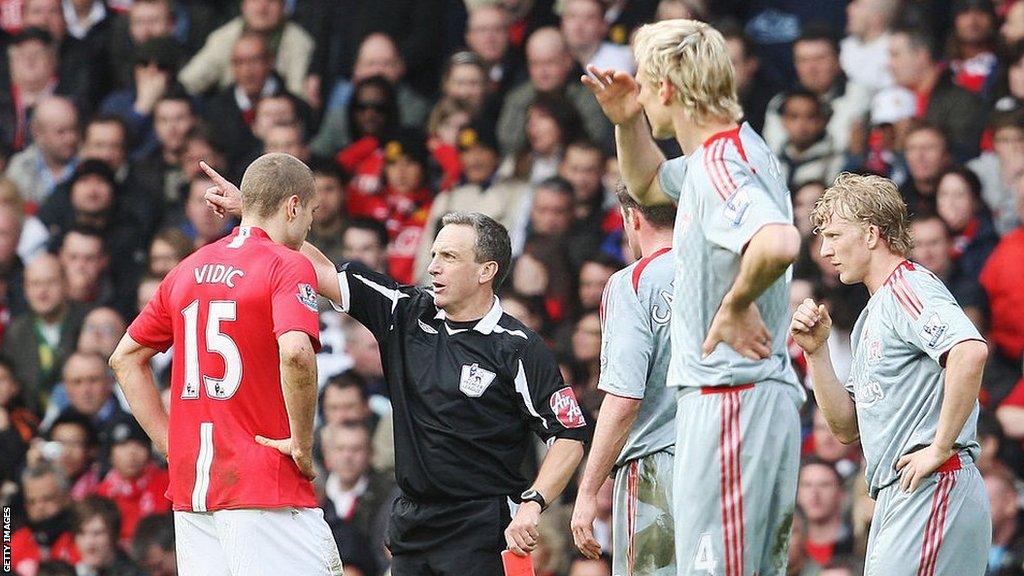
x: 302, y: 458
x: 582, y: 525
x: 615, y: 91
x: 223, y: 197
x: 917, y: 466
x: 742, y: 329
x: 521, y: 535
x: 810, y: 326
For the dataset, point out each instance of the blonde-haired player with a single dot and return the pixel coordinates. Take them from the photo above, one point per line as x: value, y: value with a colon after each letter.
x: 738, y: 431
x: 912, y: 395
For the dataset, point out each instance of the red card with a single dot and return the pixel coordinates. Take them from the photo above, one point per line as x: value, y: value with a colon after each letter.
x: 517, y: 565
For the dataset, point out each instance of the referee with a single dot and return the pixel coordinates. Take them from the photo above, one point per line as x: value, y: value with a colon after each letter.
x: 468, y: 384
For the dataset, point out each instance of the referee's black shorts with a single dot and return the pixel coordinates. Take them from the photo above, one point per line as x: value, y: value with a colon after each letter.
x: 448, y: 538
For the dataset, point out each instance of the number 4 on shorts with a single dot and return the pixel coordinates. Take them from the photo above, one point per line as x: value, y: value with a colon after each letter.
x: 704, y: 559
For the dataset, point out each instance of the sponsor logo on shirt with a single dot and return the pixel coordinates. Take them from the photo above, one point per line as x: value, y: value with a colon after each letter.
x: 475, y: 380
x: 933, y: 331
x: 736, y: 207
x: 307, y: 295
x: 425, y: 327
x: 567, y: 409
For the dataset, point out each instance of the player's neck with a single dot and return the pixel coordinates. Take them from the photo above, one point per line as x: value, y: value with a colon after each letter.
x: 692, y: 136
x: 473, y: 308
x: 879, y: 270
x: 275, y: 230
x: 656, y: 240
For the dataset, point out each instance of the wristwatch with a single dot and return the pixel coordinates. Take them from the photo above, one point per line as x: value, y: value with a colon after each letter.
x: 532, y: 495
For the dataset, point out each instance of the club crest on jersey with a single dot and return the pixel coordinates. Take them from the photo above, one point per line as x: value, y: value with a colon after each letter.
x: 475, y: 380
x: 307, y: 295
x: 736, y: 207
x: 567, y: 409
x: 933, y: 331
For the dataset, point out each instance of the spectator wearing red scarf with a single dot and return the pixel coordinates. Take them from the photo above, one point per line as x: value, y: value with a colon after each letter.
x: 136, y: 484
x: 959, y: 204
x: 405, y: 205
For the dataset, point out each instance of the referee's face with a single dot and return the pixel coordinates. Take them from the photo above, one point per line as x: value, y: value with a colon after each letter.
x: 454, y: 272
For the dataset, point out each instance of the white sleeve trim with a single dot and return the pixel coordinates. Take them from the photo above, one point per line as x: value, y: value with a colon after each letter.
x: 346, y: 297
x: 522, y: 386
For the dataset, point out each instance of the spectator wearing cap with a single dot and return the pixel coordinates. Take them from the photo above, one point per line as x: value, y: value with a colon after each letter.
x: 892, y: 112
x: 809, y: 153
x: 39, y: 341
x: 585, y: 29
x: 288, y: 47
x: 1000, y: 169
x: 549, y: 65
x: 482, y: 190
x: 233, y: 109
x: 816, y: 58
x: 378, y: 56
x: 96, y: 525
x: 405, y: 204
x: 957, y: 112
x: 864, y: 52
x: 135, y: 482
x: 972, y: 57
x: 53, y: 155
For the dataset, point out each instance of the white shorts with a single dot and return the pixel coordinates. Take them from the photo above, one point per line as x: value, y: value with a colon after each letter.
x: 256, y: 542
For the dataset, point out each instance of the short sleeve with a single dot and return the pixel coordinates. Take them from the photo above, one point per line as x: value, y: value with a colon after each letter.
x: 926, y: 316
x: 671, y: 175
x: 153, y: 327
x: 549, y: 405
x: 293, y: 292
x: 731, y: 220
x: 370, y: 297
x: 628, y: 340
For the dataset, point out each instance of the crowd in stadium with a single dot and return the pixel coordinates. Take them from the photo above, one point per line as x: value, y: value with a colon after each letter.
x: 406, y: 110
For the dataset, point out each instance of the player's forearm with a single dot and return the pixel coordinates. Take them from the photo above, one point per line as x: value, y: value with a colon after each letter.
x: 767, y: 256
x: 833, y: 400
x: 965, y: 364
x: 326, y: 273
x: 639, y: 160
x: 613, y: 426
x: 298, y: 382
x: 558, y: 467
x: 135, y: 377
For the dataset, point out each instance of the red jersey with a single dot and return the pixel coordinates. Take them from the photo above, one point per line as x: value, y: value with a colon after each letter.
x: 223, y: 309
x: 136, y: 498
x: 26, y: 554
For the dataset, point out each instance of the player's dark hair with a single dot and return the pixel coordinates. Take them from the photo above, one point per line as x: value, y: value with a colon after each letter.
x: 492, y: 241
x: 661, y: 216
x: 155, y: 530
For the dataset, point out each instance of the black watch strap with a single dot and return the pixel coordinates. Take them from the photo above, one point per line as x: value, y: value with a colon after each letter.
x: 532, y: 495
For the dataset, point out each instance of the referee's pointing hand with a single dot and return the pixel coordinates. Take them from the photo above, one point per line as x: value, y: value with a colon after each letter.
x: 521, y: 534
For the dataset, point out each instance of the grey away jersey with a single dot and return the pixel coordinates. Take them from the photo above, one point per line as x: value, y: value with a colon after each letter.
x: 727, y: 190
x: 899, y: 347
x: 635, y: 351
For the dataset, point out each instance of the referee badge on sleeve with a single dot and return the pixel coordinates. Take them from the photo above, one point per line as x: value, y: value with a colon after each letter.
x: 475, y: 380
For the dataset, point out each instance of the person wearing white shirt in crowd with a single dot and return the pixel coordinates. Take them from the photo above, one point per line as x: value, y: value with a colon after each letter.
x: 864, y: 53
x: 585, y: 29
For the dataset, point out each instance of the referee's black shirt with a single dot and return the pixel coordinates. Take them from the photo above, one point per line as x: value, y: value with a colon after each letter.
x: 465, y: 396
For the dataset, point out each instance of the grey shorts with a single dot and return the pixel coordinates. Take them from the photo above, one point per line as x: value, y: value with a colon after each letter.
x: 643, y: 540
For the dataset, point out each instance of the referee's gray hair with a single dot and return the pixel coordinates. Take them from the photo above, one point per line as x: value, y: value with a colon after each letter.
x: 492, y: 241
